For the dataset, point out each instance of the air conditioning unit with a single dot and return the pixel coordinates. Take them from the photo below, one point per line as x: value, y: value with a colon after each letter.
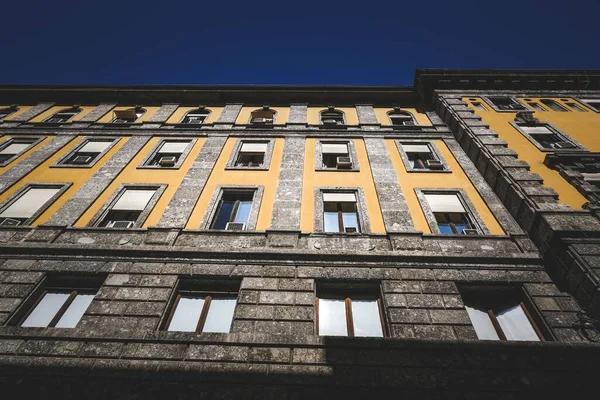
x: 10, y: 222
x: 434, y: 164
x: 351, y: 229
x: 120, y: 224
x: 470, y: 232
x: 330, y: 122
x: 564, y: 145
x: 167, y: 161
x: 195, y: 120
x: 235, y: 226
x: 262, y: 121
x: 343, y: 162
x: 81, y: 160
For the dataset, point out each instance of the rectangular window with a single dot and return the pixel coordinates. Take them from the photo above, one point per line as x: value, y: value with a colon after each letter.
x: 88, y: 153
x: 251, y: 154
x: 126, y: 211
x: 592, y: 178
x: 340, y: 213
x: 12, y: 148
x: 336, y: 155
x: 594, y: 104
x: 500, y: 314
x: 450, y: 214
x: 349, y: 314
x: 168, y: 153
x: 233, y: 211
x: 575, y: 106
x: 546, y: 138
x: 28, y: 204
x: 505, y: 103
x: 536, y: 106
x: 421, y: 156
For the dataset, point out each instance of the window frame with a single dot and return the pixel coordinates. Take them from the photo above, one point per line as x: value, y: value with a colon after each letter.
x: 62, y: 188
x: 65, y: 110
x: 198, y: 111
x: 488, y: 100
x: 583, y: 101
x: 333, y: 126
x: 408, y: 165
x: 237, y: 148
x: 398, y: 112
x: 215, y: 202
x: 264, y: 110
x: 154, y: 152
x: 352, y: 153
x: 545, y: 100
x: 361, y: 209
x: 13, y: 109
x: 87, y: 139
x: 35, y: 141
x: 563, y: 136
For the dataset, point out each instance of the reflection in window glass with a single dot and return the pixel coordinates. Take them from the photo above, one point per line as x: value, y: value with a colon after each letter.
x: 75, y: 311
x: 365, y: 314
x: 187, y: 314
x: 332, y: 317
x: 516, y: 325
x: 220, y: 315
x: 46, y: 310
x: 483, y: 325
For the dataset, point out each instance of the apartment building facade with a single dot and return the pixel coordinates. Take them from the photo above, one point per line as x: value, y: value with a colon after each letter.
x: 256, y: 242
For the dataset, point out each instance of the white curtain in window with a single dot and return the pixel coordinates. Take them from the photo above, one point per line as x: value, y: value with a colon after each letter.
x: 187, y: 314
x: 254, y: 148
x: 29, y: 203
x: 335, y: 148
x: 15, y: 148
x: 173, y: 147
x: 516, y: 325
x: 95, y: 146
x: 332, y: 317
x: 220, y: 315
x: 134, y: 199
x: 365, y: 315
x: 339, y: 197
x: 416, y: 148
x: 445, y: 203
x: 482, y: 323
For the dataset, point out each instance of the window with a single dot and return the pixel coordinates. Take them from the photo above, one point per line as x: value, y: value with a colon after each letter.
x: 592, y: 178
x: 251, y: 154
x: 546, y: 138
x: 340, y: 213
x: 536, y: 106
x: 422, y: 157
x: 64, y: 115
x: 59, y: 309
x: 504, y: 103
x: 262, y: 117
x: 450, y: 214
x: 234, y: 209
x: 594, y: 104
x: 349, y: 313
x: 29, y: 203
x: 5, y: 112
x: 126, y: 211
x: 500, y: 314
x: 128, y: 116
x: 12, y: 148
x: 401, y: 118
x: 332, y: 117
x: 478, y: 105
x: 197, y: 116
x: 553, y: 105
x: 336, y: 155
x: 88, y: 153
x: 168, y: 153
x: 575, y: 106
x: 203, y: 310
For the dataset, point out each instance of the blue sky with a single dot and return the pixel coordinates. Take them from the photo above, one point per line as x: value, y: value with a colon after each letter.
x: 264, y: 42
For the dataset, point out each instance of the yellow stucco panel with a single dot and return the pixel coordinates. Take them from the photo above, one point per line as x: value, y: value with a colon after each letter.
x: 131, y: 174
x: 382, y: 116
x: 109, y: 116
x: 220, y: 176
x: 314, y: 117
x: 180, y: 113
x: 581, y: 126
x: 457, y: 179
x: 281, y: 118
x: 362, y: 179
x: 20, y: 111
x: 53, y: 110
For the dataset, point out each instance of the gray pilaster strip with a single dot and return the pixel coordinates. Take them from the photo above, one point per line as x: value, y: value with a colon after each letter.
x: 182, y: 204
x: 229, y: 114
x: 93, y: 187
x: 97, y: 112
x: 394, y: 209
x: 286, y: 210
x: 19, y: 170
x: 366, y: 115
x: 32, y: 112
x: 298, y: 114
x: 163, y: 113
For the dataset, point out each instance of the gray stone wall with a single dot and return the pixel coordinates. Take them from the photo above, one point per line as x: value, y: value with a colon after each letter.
x: 97, y: 112
x: 298, y: 114
x: 229, y: 114
x: 163, y: 113
x: 286, y: 210
x: 366, y: 115
x: 32, y: 112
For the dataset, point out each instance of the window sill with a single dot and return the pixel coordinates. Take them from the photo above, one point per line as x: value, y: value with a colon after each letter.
x: 337, y: 170
x: 430, y: 171
x: 175, y: 167
x: 246, y: 168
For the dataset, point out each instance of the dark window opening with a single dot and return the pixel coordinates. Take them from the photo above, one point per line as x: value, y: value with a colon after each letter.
x: 553, y: 105
x: 575, y: 106
x: 233, y: 211
x: 506, y: 103
x: 340, y: 213
x: 168, y: 154
x: 5, y: 112
x: 120, y: 218
x: 251, y: 154
x: 336, y: 155
x: 536, y: 106
x: 87, y: 153
x: 262, y: 117
x: 195, y: 117
x: 401, y: 118
x: 332, y: 117
x: 453, y: 223
x: 594, y: 104
x: 64, y: 115
x: 13, y: 148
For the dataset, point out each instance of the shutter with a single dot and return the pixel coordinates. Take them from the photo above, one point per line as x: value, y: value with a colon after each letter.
x: 335, y: 148
x: 254, y: 148
x: 29, y: 203
x: 536, y: 129
x: 134, y: 199
x: 15, y: 148
x: 416, y: 148
x: 173, y: 147
x: 95, y: 146
x: 444, y: 203
x: 339, y: 197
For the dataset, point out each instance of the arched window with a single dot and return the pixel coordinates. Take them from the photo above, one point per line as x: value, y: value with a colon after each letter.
x: 331, y: 116
x: 196, y: 117
x: 5, y: 112
x: 64, y: 115
x: 401, y: 118
x: 128, y: 116
x: 553, y: 105
x: 264, y: 116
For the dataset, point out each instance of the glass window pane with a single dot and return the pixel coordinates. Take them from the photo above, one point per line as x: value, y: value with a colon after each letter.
x: 445, y: 229
x: 187, y: 314
x: 367, y: 322
x: 516, y: 325
x: 461, y: 227
x: 46, y: 310
x: 75, y: 311
x: 332, y: 318
x: 350, y: 220
x: 224, y: 214
x: 482, y: 323
x: 220, y: 315
x: 331, y: 222
x: 243, y: 212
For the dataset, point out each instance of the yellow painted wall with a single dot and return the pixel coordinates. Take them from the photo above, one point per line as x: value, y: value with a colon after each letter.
x: 382, y: 116
x: 220, y: 176
x: 77, y: 176
x: 25, y: 154
x: 21, y: 110
x: 581, y: 126
x: 178, y: 115
x: 362, y: 179
x: 53, y: 110
x: 131, y: 174
x: 109, y: 116
x: 457, y: 179
x: 282, y: 116
x: 313, y: 115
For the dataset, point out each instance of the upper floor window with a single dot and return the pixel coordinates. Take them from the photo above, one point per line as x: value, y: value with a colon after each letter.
x: 64, y: 115
x: 88, y: 153
x: 594, y: 104
x: 421, y: 156
x: 546, y: 138
x: 500, y: 314
x: 506, y: 103
x: 60, y: 308
x: 553, y: 105
x: 450, y: 214
x: 233, y: 212
x: 5, y: 112
x: 336, y: 155
x: 340, y: 213
x: 265, y: 116
x: 535, y: 106
x: 401, y: 118
x: 197, y: 116
x: 14, y: 147
x: 251, y: 154
x: 169, y: 153
x: 574, y: 105
x: 28, y: 203
x: 332, y: 117
x: 592, y: 178
x: 125, y: 212
x: 128, y: 116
